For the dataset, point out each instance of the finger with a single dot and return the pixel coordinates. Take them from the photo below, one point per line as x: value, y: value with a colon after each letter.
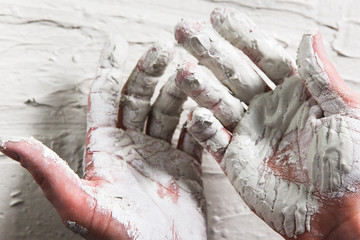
x: 209, y: 132
x: 189, y: 145
x: 61, y: 186
x: 208, y: 92
x: 232, y: 67
x: 263, y: 50
x: 166, y: 110
x: 322, y: 79
x: 103, y: 96
x: 139, y: 88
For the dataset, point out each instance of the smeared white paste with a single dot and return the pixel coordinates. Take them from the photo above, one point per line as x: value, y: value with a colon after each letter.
x: 207, y: 130
x: 229, y: 64
x: 86, y: 26
x: 166, y: 110
x: 202, y: 86
x: 107, y: 86
x: 148, y: 167
x: 331, y: 155
x: 285, y: 206
x: 242, y: 32
x: 311, y: 69
x: 139, y: 88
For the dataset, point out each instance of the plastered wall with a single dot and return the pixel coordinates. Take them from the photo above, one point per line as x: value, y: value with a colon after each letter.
x: 48, y: 55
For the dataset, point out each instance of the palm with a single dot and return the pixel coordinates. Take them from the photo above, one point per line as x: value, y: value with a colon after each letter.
x: 293, y: 155
x: 293, y: 145
x: 148, y: 186
x: 135, y: 186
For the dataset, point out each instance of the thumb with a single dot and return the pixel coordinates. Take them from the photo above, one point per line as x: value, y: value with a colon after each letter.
x: 61, y: 186
x: 321, y: 78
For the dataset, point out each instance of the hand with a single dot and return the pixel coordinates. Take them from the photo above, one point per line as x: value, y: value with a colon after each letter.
x: 135, y: 186
x: 293, y: 156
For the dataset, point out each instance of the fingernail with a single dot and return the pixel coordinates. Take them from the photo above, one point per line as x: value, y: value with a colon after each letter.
x: 5, y: 150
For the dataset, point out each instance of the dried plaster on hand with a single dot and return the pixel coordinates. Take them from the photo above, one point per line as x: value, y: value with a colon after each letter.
x: 228, y: 64
x: 242, y: 32
x: 284, y: 205
x: 139, y: 88
x: 331, y: 154
x: 166, y: 110
x: 201, y: 85
x: 147, y: 167
x: 104, y: 92
x: 312, y: 71
x: 208, y: 131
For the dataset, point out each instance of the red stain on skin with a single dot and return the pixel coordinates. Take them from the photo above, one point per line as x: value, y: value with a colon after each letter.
x: 133, y: 232
x: 174, y: 233
x: 337, y: 83
x: 186, y: 29
x: 185, y: 71
x: 171, y: 191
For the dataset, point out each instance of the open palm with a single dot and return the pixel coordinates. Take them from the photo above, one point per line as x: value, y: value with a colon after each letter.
x: 293, y: 155
x: 135, y: 186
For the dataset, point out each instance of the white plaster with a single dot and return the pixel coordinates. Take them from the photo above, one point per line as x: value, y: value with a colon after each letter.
x: 50, y: 52
x: 140, y: 86
x: 312, y: 70
x: 207, y: 130
x: 242, y: 32
x: 201, y: 85
x: 228, y: 64
x: 166, y: 110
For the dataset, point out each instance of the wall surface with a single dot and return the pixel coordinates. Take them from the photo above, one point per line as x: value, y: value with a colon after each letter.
x: 48, y: 55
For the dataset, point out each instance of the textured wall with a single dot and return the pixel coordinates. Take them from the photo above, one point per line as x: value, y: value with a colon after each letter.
x: 48, y: 54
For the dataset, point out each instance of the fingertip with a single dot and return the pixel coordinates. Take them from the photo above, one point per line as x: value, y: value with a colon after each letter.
x: 114, y: 52
x: 328, y: 67
x: 14, y: 147
x: 209, y: 132
x: 217, y: 17
x: 156, y: 59
x: 320, y: 74
x: 184, y: 71
x: 187, y: 28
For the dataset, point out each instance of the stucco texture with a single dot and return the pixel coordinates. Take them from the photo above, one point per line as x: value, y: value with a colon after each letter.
x: 49, y: 51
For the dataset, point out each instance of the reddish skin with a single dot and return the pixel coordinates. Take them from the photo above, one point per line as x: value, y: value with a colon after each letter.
x: 346, y: 93
x: 171, y: 191
x: 65, y: 190
x: 181, y: 33
x: 338, y: 218
x: 60, y: 188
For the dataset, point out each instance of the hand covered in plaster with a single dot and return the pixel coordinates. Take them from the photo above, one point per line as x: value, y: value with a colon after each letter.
x: 293, y: 155
x: 135, y: 185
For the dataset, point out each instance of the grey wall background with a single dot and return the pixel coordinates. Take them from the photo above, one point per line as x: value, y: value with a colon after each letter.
x: 48, y: 55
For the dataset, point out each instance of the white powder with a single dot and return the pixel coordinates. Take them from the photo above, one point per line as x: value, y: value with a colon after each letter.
x: 149, y: 169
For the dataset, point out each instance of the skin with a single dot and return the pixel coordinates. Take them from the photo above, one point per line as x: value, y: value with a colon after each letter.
x: 158, y: 186
x: 338, y: 214
x: 337, y: 218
